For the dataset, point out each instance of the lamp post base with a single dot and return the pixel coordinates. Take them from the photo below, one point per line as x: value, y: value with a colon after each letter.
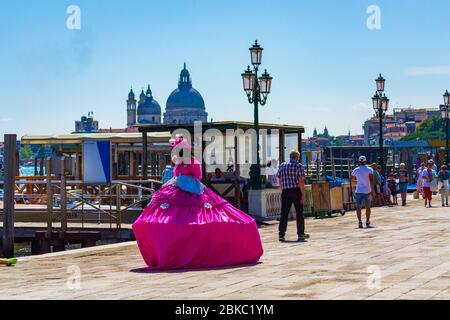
x: 255, y: 177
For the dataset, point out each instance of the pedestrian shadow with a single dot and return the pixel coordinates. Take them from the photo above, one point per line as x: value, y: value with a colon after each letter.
x: 152, y: 271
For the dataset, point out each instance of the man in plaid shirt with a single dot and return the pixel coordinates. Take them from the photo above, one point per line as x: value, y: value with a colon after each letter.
x: 292, y: 181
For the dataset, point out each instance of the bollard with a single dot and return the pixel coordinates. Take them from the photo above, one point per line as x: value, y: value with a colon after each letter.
x: 8, y: 198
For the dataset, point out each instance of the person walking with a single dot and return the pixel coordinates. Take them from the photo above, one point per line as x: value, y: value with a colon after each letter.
x: 392, y: 185
x: 364, y: 177
x: 292, y: 181
x: 427, y: 178
x: 386, y: 191
x: 167, y: 173
x: 444, y: 179
x: 377, y: 184
x: 420, y: 170
x: 433, y: 165
x: 403, y: 178
x: 271, y: 173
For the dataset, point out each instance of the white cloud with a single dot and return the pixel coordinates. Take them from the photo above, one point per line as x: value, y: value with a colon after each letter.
x: 429, y: 71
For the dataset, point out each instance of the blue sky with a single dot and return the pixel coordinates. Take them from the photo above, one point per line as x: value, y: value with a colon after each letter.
x: 321, y: 54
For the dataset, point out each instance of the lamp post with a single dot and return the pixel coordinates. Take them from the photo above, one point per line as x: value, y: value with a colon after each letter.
x: 445, y: 115
x: 381, y: 104
x: 257, y: 90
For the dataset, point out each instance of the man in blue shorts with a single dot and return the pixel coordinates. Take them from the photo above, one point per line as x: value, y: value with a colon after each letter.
x: 363, y: 175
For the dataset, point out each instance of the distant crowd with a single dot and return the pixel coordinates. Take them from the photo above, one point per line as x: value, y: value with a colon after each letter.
x: 430, y: 181
x: 371, y: 182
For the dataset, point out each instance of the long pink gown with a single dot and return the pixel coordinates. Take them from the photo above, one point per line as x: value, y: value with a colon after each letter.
x: 184, y: 230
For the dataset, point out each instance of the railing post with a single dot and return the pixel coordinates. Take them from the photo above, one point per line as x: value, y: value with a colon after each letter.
x: 49, y: 197
x: 8, y: 198
x: 118, y: 206
x: 63, y: 198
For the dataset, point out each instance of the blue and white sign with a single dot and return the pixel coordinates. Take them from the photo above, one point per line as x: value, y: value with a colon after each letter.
x: 97, y: 162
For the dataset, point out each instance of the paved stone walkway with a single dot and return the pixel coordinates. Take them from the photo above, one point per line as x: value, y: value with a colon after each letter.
x: 407, y: 256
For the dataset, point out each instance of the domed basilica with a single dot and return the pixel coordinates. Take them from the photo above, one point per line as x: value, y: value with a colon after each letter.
x: 184, y: 105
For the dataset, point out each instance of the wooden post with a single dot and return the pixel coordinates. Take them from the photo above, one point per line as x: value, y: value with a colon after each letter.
x: 202, y: 161
x: 41, y: 166
x: 115, y: 164
x: 49, y: 197
x: 63, y: 198
x: 281, y: 146
x: 118, y: 206
x: 35, y: 166
x: 80, y: 166
x: 144, y: 155
x: 162, y: 163
x: 131, y: 165
x: 8, y: 198
x: 299, y: 145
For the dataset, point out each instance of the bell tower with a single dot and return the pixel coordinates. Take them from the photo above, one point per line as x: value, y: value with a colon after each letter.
x: 131, y: 109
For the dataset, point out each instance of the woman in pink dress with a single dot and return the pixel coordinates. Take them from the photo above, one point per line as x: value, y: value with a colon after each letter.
x: 187, y: 225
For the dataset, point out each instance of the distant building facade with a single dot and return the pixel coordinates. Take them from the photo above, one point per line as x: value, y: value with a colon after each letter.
x: 86, y: 124
x: 402, y: 122
x: 414, y: 115
x: 351, y: 140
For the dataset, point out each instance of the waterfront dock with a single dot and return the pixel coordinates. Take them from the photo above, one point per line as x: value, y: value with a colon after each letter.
x: 405, y: 257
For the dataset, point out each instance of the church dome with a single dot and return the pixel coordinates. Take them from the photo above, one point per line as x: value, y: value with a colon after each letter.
x: 185, y: 97
x: 148, y: 105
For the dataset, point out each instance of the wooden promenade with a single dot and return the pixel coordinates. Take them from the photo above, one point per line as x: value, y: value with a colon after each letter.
x: 405, y: 257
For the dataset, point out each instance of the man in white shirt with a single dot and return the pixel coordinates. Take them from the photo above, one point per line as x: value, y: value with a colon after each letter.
x: 363, y: 175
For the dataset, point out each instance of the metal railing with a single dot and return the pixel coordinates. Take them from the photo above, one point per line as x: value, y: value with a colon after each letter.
x: 72, y: 201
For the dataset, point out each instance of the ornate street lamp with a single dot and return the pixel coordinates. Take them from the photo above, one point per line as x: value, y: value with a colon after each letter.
x: 380, y: 104
x: 445, y: 115
x: 257, y: 90
x: 380, y: 83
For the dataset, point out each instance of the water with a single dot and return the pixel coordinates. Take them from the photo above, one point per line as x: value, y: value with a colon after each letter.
x: 27, y: 171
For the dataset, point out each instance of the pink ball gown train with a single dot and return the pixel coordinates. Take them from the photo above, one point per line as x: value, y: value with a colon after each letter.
x: 184, y: 230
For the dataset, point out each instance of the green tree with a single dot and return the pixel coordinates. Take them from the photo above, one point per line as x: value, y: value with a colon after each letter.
x: 26, y: 152
x: 428, y: 129
x: 339, y: 142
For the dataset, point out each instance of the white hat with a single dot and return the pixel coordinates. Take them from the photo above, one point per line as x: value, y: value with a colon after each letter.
x: 362, y: 159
